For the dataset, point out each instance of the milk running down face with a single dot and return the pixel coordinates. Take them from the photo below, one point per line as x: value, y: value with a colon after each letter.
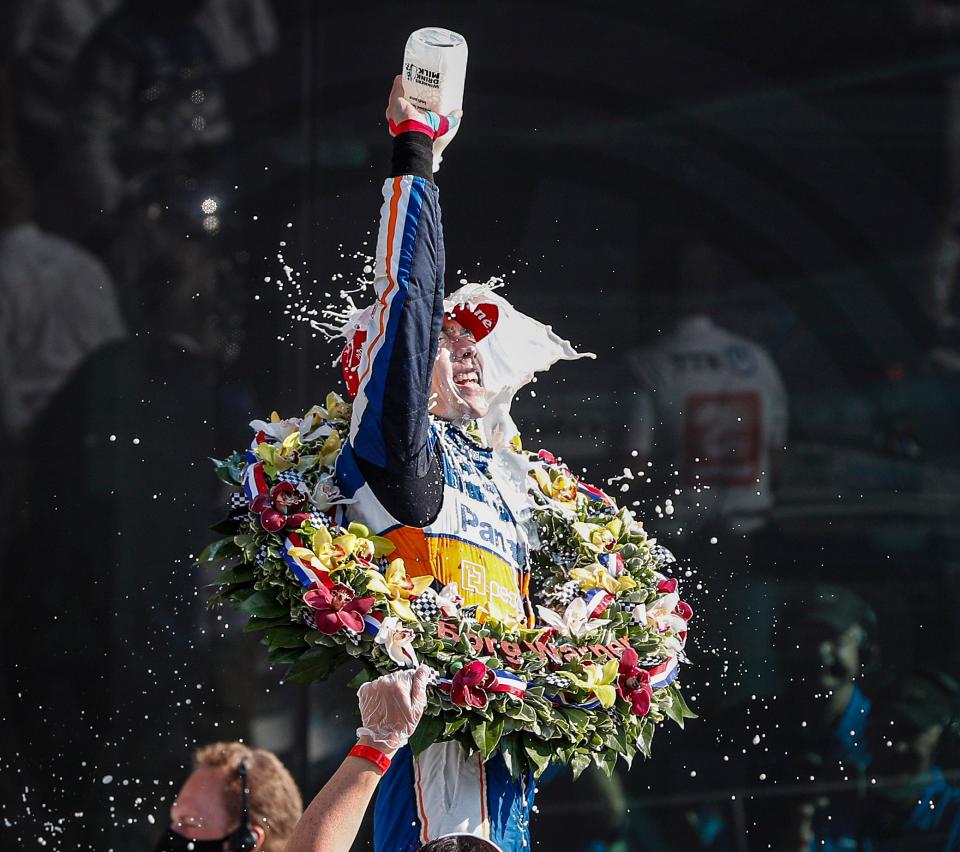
x: 456, y: 390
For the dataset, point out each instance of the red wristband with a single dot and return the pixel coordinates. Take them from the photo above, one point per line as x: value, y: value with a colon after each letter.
x: 376, y: 757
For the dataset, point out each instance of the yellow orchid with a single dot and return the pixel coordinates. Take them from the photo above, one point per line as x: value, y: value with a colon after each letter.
x: 597, y: 577
x: 358, y: 541
x: 279, y: 457
x: 397, y: 587
x: 600, y: 538
x: 330, y: 450
x: 337, y: 407
x: 561, y: 488
x: 598, y: 680
x: 320, y: 554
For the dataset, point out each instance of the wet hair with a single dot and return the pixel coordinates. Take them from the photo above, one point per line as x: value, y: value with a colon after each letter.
x: 275, y: 801
x: 459, y: 843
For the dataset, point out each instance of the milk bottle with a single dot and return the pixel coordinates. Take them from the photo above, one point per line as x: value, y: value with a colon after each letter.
x: 434, y: 70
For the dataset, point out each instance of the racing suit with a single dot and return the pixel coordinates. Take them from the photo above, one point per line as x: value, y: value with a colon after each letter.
x: 429, y: 488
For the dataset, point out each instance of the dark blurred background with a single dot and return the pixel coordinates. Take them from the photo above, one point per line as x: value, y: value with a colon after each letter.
x: 751, y: 213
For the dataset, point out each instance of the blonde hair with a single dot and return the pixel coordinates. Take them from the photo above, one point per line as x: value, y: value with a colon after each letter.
x: 275, y: 801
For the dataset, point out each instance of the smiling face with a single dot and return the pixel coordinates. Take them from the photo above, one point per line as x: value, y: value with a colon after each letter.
x: 457, y: 391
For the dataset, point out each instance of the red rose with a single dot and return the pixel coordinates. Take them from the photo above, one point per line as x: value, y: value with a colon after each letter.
x: 471, y: 684
x: 668, y: 585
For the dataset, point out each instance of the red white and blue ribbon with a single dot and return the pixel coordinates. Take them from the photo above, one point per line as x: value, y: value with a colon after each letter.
x: 593, y: 493
x: 255, y: 481
x: 597, y: 601
x: 509, y: 684
x: 304, y: 573
x: 372, y: 622
x: 561, y: 698
x: 613, y: 562
x: 665, y: 673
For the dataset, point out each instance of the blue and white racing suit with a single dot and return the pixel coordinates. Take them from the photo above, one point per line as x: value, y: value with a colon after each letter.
x: 465, y: 532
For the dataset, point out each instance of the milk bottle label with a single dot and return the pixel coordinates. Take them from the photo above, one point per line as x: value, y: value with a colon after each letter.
x: 434, y: 69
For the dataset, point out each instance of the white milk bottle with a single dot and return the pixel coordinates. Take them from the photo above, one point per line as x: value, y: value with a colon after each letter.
x: 434, y: 70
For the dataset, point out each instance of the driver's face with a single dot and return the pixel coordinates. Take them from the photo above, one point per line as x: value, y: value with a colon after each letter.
x: 457, y: 390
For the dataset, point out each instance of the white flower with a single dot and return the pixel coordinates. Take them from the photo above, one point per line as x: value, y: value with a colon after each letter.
x: 660, y: 614
x: 314, y: 424
x: 449, y: 600
x: 326, y: 493
x: 397, y: 641
x: 574, y: 622
x: 277, y: 429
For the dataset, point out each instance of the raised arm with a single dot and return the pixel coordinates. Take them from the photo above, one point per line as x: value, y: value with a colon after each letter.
x: 390, y: 427
x: 390, y: 709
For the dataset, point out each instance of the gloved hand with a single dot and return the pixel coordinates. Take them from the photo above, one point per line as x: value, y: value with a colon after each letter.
x: 391, y: 706
x: 403, y: 116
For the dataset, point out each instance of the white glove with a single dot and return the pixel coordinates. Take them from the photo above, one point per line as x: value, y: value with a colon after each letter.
x: 391, y: 706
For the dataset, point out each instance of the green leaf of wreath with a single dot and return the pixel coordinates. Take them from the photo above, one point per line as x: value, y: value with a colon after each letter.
x: 312, y: 666
x: 254, y: 624
x: 230, y: 469
x: 539, y: 753
x: 285, y: 637
x: 578, y: 763
x: 264, y: 605
x: 429, y: 730
x: 218, y: 550
x: 681, y: 704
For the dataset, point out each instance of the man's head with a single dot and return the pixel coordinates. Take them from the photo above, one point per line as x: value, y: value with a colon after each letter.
x: 457, y: 391
x: 909, y: 720
x: 209, y: 805
x: 825, y: 630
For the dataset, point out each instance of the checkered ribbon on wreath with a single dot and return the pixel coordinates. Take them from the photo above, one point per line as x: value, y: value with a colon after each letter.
x: 352, y: 635
x: 469, y: 612
x: 261, y: 556
x: 318, y: 519
x: 425, y: 606
x: 650, y: 662
x: 557, y: 681
x: 237, y: 500
x: 433, y: 676
x: 290, y: 476
x: 662, y: 555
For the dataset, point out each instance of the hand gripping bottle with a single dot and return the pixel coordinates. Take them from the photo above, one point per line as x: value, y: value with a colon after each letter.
x: 434, y: 70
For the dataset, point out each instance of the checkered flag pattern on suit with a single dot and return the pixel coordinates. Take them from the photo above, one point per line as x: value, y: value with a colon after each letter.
x: 425, y: 606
